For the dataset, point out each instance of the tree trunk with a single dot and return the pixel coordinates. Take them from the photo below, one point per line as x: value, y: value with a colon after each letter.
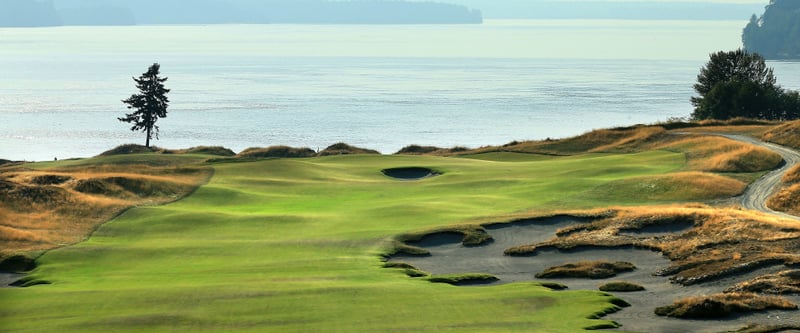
x: 147, y: 143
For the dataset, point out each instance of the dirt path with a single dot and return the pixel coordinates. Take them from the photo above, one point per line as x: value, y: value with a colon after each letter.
x: 756, y: 195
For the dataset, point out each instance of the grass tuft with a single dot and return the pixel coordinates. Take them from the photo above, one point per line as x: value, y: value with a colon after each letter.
x: 463, y: 279
x: 587, y: 269
x: 723, y: 305
x: 621, y: 286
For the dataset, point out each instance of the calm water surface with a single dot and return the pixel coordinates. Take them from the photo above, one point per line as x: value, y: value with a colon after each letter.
x: 381, y: 87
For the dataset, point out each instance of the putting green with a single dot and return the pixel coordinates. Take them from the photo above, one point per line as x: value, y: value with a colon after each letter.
x: 293, y: 245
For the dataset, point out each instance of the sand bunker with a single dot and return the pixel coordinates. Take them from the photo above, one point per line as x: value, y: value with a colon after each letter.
x: 449, y: 256
x: 412, y: 173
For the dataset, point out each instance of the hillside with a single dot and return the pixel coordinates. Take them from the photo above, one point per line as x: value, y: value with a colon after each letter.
x: 776, y: 34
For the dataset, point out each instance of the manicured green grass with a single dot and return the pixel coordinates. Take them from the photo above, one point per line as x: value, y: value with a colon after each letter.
x: 294, y: 245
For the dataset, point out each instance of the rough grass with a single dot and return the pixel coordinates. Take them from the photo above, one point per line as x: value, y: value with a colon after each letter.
x: 787, y: 199
x: 787, y: 134
x: 621, y: 286
x: 718, y: 154
x: 44, y: 208
x: 587, y: 269
x: 721, y: 241
x: 783, y: 283
x: 723, y: 305
x: 345, y: 149
x: 754, y: 328
x: 463, y: 279
x: 680, y: 186
x: 276, y: 152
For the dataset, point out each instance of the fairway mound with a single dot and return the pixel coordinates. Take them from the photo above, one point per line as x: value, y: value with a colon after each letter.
x: 345, y: 149
x: 128, y: 149
x: 411, y: 173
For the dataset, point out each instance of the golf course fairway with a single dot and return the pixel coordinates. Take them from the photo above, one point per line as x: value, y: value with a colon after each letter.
x: 295, y: 245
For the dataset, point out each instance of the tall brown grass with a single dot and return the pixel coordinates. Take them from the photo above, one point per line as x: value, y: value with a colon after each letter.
x: 37, y: 215
x: 720, y: 242
x: 787, y: 134
x: 718, y: 154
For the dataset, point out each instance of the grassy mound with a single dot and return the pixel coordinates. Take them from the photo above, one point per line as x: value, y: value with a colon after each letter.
x: 723, y: 305
x: 70, y: 198
x: 463, y: 279
x: 621, y: 286
x: 788, y: 197
x: 277, y: 151
x: 680, y: 186
x: 755, y: 328
x: 783, y: 283
x: 420, y: 150
x: 787, y: 134
x: 587, y: 269
x: 345, y: 149
x: 129, y: 149
x: 718, y: 154
x: 205, y: 150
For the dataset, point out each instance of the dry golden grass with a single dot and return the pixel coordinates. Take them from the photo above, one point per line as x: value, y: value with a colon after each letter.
x: 44, y: 209
x: 723, y: 305
x: 718, y: 154
x: 783, y: 283
x: 786, y: 200
x: 587, y: 269
x: 718, y: 241
x: 787, y: 134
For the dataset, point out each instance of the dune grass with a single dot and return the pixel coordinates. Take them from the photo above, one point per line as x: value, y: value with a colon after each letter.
x: 46, y: 207
x: 723, y: 305
x: 587, y: 269
x: 290, y: 245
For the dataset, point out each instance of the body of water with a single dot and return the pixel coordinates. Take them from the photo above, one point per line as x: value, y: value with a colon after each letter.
x: 379, y: 87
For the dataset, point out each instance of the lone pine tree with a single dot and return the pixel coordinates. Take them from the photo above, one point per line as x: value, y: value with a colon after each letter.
x: 149, y: 104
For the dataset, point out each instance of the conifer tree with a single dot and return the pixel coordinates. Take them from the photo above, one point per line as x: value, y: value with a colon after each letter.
x: 149, y: 104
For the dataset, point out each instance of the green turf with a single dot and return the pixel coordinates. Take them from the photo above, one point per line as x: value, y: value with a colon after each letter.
x: 294, y: 245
